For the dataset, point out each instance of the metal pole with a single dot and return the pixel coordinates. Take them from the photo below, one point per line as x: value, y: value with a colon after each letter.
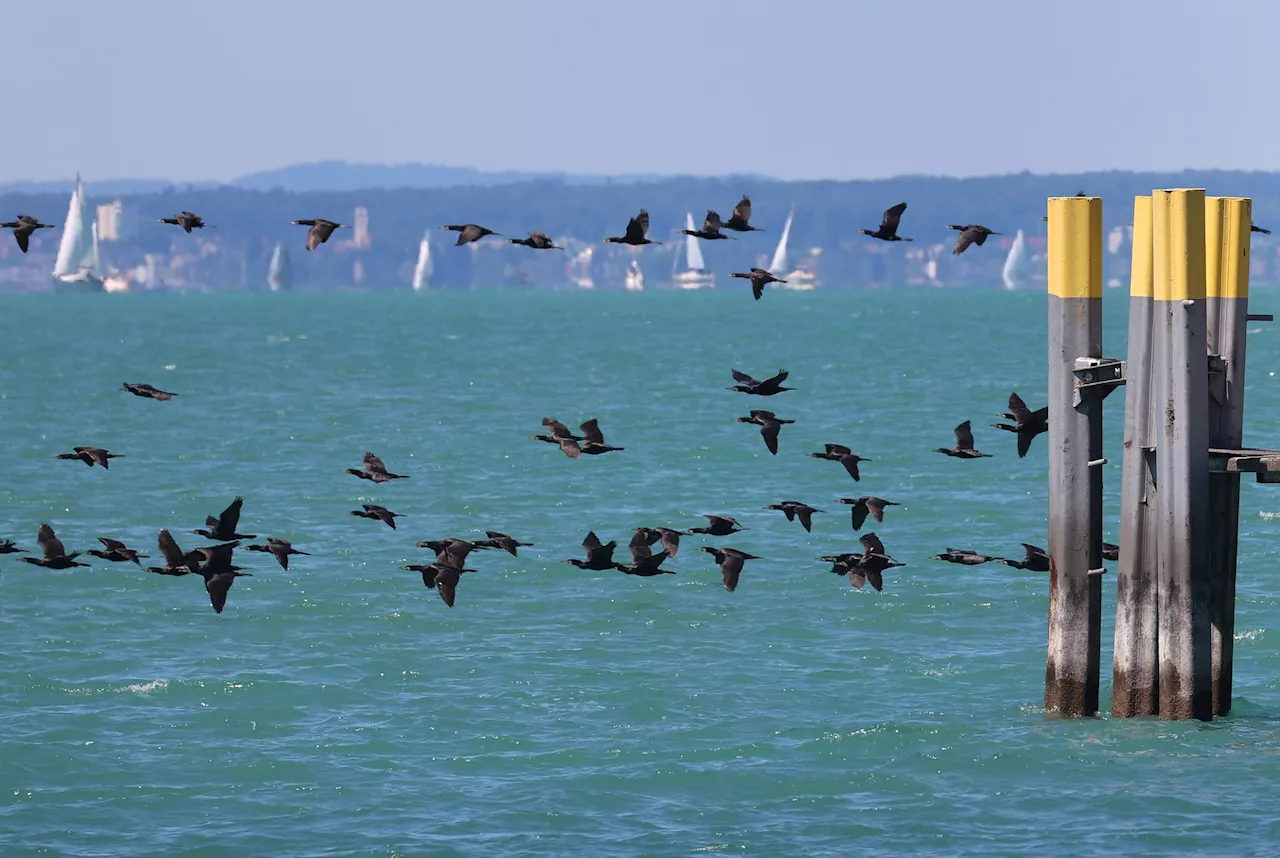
x: 1227, y: 288
x: 1135, y: 677
x: 1075, y: 439
x: 1182, y: 454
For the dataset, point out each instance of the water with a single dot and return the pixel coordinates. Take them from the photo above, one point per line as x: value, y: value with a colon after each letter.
x: 340, y: 708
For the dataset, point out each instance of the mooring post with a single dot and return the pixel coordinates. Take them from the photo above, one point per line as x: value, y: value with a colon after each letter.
x: 1182, y: 453
x: 1135, y: 676
x: 1227, y: 240
x: 1075, y: 439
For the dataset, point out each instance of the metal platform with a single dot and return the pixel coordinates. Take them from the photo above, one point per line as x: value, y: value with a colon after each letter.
x: 1264, y: 463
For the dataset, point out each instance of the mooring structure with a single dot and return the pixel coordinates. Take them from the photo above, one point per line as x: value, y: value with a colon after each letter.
x: 1183, y: 455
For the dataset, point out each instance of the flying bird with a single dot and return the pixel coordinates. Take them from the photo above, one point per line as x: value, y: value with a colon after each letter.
x: 730, y: 561
x: 670, y: 538
x: 375, y: 471
x: 842, y: 454
x: 441, y: 577
x: 964, y: 445
x: 965, y: 557
x: 536, y: 240
x: 8, y: 546
x: 865, y: 505
x: 280, y: 549
x: 794, y: 509
x: 508, y: 544
x: 223, y: 528
x: 469, y: 232
x: 593, y: 439
x: 644, y: 563
x: 1110, y: 551
x: 718, y: 525
x: 320, y: 230
x: 116, y: 551
x: 55, y: 555
x: 768, y: 387
x: 971, y: 233
x: 1252, y: 228
x: 377, y: 513
x: 561, y: 435
x: 188, y: 221
x: 637, y: 232
x: 219, y: 574
x: 146, y: 391
x: 770, y: 425
x: 23, y: 228
x: 739, y: 222
x: 710, y: 231
x: 451, y: 551
x: 888, y: 229
x: 868, y: 565
x: 1027, y: 424
x: 1035, y: 559
x: 759, y: 278
x: 90, y: 456
x: 599, y: 555
x: 176, y: 561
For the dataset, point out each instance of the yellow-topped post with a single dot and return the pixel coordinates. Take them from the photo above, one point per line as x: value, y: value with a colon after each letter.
x: 1227, y: 247
x: 1135, y: 678
x: 1075, y: 441
x: 1181, y: 429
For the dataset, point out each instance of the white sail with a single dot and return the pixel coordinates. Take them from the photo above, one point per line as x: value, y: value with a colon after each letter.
x: 692, y: 253
x: 635, y: 277
x: 422, y: 271
x: 75, y: 250
x: 280, y: 276
x: 93, y: 263
x: 779, y: 262
x: 1015, y: 264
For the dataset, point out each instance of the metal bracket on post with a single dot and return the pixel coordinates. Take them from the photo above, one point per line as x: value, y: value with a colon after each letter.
x: 1097, y: 377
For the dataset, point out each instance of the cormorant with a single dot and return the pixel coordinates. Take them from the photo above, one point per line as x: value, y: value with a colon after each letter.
x: 536, y: 240
x: 375, y: 471
x: 864, y: 505
x: 599, y: 556
x: 1110, y: 551
x: 23, y: 228
x: 55, y: 555
x: 561, y: 435
x: 219, y: 574
x: 888, y: 229
x: 441, y: 577
x: 759, y: 278
x: 966, y: 557
x: 8, y: 546
x: 507, y: 543
x: 116, y: 551
x: 593, y: 439
x: 378, y: 513
x: 739, y: 222
x: 711, y: 226
x: 176, y: 561
x: 280, y: 549
x: 469, y: 232
x: 90, y: 456
x: 730, y: 561
x: 451, y: 551
x: 644, y: 563
x: 964, y: 445
x: 971, y: 233
x: 637, y: 231
x: 320, y: 230
x: 187, y: 220
x: 794, y: 509
x: 842, y: 454
x: 670, y: 538
x: 1026, y: 423
x: 146, y: 391
x: 770, y: 425
x: 718, y: 525
x: 768, y: 387
x: 1036, y: 559
x: 223, y: 528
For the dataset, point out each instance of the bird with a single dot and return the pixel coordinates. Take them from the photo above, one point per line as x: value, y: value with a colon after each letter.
x: 639, y: 544
x: 770, y: 425
x: 1027, y: 424
x: 320, y: 230
x: 219, y: 574
x: 718, y: 525
x: 637, y: 232
x: 739, y: 222
x: 971, y: 233
x: 451, y: 551
x: 730, y: 561
x: 146, y: 391
x: 864, y: 505
x: 91, y: 456
x: 670, y: 538
x: 441, y: 577
x: 375, y: 471
x: 867, y: 565
x: 223, y: 528
x: 964, y: 445
x: 469, y: 232
x: 536, y: 240
x: 176, y: 561
x: 55, y: 555
x: 188, y: 221
x: 888, y: 229
x: 759, y: 278
x: 599, y: 555
x: 710, y: 228
x: 593, y: 439
x: 23, y: 228
x: 8, y: 546
x: 964, y: 556
x: 1253, y: 227
x: 378, y: 513
x: 509, y: 544
x: 1036, y: 559
x: 280, y: 549
x: 794, y: 509
x: 1110, y: 551
x: 116, y: 551
x: 769, y: 387
x: 644, y: 563
x: 561, y: 435
x: 842, y: 454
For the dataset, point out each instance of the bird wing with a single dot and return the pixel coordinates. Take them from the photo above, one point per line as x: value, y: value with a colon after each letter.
x: 374, y: 464
x: 730, y: 569
x: 777, y: 379
x: 112, y: 544
x: 470, y: 232
x: 889, y: 223
x: 50, y: 543
x: 711, y: 223
x: 670, y: 542
x: 1021, y: 413
x: 218, y: 585
x: 173, y: 556
x: 280, y: 552
x: 872, y: 543
x: 592, y: 542
x: 860, y: 514
x: 570, y: 447
x: 770, y: 432
x: 23, y: 235
x: 964, y: 436
x: 966, y: 238
x: 639, y: 546
x: 1024, y: 443
x: 1033, y: 550
x: 851, y: 465
x: 838, y: 449
x: 446, y: 583
x: 876, y: 508
x: 386, y: 515
x: 230, y: 516
x: 556, y: 428
x: 591, y: 432
x: 98, y: 455
x: 743, y: 378
x: 637, y: 227
x: 875, y: 578
x: 742, y: 211
x: 805, y: 514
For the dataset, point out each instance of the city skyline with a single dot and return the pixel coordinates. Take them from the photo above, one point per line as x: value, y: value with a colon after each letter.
x: 820, y: 90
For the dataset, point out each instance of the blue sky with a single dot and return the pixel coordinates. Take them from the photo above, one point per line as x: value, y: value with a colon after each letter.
x: 799, y: 89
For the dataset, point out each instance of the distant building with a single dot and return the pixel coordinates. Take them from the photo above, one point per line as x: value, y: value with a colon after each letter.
x: 361, y: 237
x: 115, y: 223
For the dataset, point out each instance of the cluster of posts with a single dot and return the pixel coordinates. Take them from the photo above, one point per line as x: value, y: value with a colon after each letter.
x: 1180, y: 492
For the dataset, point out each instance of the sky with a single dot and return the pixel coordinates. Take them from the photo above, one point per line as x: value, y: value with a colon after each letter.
x: 801, y: 89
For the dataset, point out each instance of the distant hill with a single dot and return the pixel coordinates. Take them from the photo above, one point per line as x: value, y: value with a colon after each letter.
x: 107, y: 188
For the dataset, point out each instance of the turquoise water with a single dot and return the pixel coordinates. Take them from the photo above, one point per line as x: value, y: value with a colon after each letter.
x: 340, y: 708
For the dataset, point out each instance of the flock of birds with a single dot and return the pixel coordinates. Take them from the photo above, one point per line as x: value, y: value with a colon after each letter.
x: 214, y: 563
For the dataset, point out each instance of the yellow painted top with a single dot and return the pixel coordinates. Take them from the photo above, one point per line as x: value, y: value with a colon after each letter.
x: 1140, y: 285
x: 1178, y: 244
x: 1227, y: 246
x: 1075, y: 247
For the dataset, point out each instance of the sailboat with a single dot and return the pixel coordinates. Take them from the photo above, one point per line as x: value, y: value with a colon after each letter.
x: 800, y: 281
x: 280, y: 275
x: 635, y: 277
x: 1015, y: 264
x: 76, y: 267
x: 422, y: 271
x: 695, y: 275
